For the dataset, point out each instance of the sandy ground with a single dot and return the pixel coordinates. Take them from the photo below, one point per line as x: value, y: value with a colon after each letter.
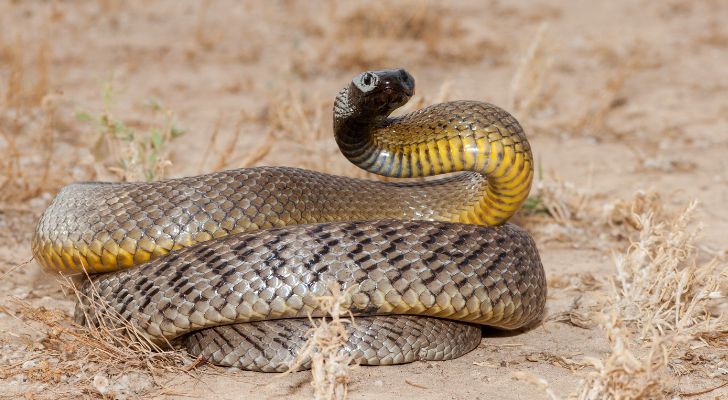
x: 616, y: 97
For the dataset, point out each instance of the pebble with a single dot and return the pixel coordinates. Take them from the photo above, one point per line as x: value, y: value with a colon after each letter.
x: 101, y: 384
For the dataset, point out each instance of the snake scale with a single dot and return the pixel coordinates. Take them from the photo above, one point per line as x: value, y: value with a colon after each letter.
x: 231, y: 263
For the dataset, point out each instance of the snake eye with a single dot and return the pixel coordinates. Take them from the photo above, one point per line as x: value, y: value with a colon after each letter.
x: 365, y: 81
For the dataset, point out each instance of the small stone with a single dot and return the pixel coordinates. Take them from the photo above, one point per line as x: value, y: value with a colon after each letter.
x: 101, y: 384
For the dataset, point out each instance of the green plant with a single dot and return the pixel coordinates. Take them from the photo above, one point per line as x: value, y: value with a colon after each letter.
x: 133, y: 154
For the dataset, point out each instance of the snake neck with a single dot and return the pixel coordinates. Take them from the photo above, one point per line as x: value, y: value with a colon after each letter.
x: 444, y: 138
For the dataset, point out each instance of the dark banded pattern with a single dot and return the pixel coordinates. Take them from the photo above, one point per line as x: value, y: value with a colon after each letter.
x: 468, y: 273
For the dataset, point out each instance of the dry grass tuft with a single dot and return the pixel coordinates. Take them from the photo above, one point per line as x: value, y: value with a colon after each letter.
x: 226, y: 154
x: 665, y: 312
x: 663, y: 302
x: 298, y: 117
x: 329, y: 364
x: 560, y: 200
x: 108, y: 360
x: 622, y: 375
x: 623, y: 215
x: 559, y: 211
x: 661, y: 286
x: 627, y: 373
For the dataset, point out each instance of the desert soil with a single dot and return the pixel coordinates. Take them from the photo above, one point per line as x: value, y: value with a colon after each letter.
x: 616, y: 97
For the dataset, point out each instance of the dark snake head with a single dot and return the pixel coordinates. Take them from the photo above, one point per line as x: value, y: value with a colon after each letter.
x: 377, y: 93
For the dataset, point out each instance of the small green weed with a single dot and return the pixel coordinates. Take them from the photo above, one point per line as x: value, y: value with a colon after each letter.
x: 535, y: 205
x: 133, y: 154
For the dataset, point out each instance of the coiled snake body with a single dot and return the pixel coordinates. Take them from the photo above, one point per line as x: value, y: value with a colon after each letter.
x: 251, y: 249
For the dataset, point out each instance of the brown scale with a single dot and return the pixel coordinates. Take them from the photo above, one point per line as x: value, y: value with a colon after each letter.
x: 492, y: 277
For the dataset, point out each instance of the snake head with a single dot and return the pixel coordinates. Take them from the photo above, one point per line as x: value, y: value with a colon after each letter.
x: 378, y: 93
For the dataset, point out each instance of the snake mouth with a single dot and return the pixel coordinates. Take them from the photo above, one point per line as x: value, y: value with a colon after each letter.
x: 392, y: 89
x: 397, y: 89
x: 396, y: 81
x: 395, y: 97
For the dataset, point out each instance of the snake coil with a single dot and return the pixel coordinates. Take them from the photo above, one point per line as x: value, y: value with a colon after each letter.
x: 231, y: 263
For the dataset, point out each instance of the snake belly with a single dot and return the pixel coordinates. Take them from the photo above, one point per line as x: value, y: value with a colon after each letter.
x: 231, y: 263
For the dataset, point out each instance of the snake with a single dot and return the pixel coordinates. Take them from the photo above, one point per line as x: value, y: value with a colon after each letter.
x: 232, y: 264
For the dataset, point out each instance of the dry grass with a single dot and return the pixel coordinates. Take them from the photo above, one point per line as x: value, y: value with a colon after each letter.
x: 559, y: 200
x: 299, y: 117
x: 665, y: 306
x: 663, y: 302
x: 559, y: 211
x: 300, y: 121
x: 110, y: 359
x: 28, y: 119
x: 329, y: 365
x: 226, y: 155
x: 627, y: 372
x: 662, y: 287
x: 39, y: 142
